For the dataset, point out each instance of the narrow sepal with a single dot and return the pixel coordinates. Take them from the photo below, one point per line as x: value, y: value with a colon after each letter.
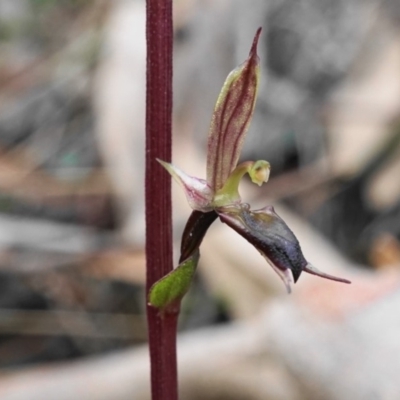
x: 231, y: 118
x: 314, y: 271
x: 169, y: 290
x: 198, y: 193
x: 195, y: 229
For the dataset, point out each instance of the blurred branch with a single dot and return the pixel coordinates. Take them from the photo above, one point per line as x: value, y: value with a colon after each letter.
x: 19, y: 176
x: 117, y: 264
x: 50, y: 236
x: 207, y: 371
x: 41, y: 67
x: 73, y: 323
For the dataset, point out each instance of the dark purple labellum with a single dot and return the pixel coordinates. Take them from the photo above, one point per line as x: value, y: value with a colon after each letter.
x: 266, y: 231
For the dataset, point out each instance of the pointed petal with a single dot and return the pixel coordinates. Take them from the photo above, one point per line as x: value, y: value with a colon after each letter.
x: 195, y: 229
x: 198, y: 193
x: 314, y: 271
x: 169, y: 290
x: 286, y: 275
x: 231, y: 118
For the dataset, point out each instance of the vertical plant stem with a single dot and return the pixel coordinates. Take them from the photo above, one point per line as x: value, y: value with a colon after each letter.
x: 162, y: 330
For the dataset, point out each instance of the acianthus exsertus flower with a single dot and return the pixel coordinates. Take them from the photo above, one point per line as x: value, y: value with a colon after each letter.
x: 218, y: 195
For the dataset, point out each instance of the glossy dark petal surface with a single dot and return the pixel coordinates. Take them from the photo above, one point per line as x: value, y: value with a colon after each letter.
x: 270, y: 235
x: 195, y: 229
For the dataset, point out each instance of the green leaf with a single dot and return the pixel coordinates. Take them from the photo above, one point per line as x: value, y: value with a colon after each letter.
x: 231, y: 118
x: 170, y: 289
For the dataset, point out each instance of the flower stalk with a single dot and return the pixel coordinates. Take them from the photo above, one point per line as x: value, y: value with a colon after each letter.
x: 161, y: 329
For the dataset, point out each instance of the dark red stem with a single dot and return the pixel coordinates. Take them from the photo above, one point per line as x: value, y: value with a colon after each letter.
x: 162, y: 331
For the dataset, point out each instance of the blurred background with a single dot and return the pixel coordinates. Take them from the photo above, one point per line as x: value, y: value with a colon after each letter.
x: 72, y: 262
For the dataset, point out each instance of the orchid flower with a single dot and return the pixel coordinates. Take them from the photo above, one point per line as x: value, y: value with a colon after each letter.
x: 218, y: 195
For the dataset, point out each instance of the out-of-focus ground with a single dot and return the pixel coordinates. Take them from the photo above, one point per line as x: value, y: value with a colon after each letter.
x: 72, y: 264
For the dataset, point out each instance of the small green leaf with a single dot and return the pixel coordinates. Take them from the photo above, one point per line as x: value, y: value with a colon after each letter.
x: 170, y: 289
